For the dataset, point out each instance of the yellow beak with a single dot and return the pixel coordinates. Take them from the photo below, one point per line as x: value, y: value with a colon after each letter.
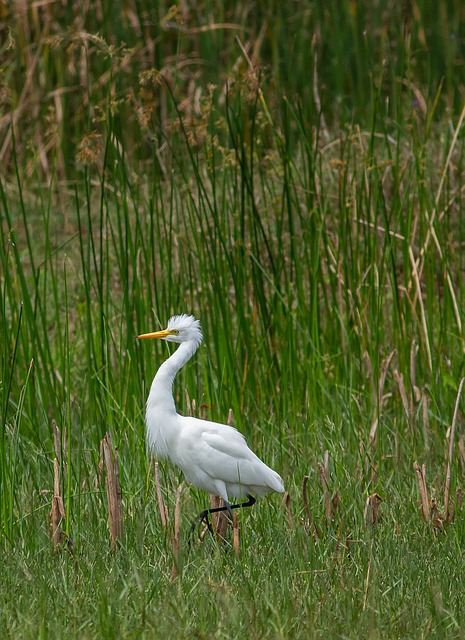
x: 156, y: 334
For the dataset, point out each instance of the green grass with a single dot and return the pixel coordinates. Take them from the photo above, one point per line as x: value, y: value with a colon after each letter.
x: 321, y: 255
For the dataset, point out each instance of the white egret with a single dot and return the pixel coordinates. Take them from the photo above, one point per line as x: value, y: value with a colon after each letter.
x: 213, y: 457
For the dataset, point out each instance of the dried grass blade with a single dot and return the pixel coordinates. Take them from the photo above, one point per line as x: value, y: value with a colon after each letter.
x: 56, y: 440
x: 403, y: 394
x: 311, y: 523
x: 324, y: 476
x: 451, y: 452
x: 380, y: 397
x: 114, y: 494
x: 161, y: 503
x: 236, y: 539
x: 421, y: 479
x: 177, y: 538
x: 219, y: 519
x: 58, y: 508
x: 371, y: 512
x: 286, y: 502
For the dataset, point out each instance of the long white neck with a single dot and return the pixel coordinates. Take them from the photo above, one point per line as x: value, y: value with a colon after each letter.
x: 161, y: 391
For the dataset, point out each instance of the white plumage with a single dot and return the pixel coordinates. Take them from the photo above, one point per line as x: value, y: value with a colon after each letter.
x: 213, y: 457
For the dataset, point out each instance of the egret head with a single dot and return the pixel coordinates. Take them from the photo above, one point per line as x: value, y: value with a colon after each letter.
x: 182, y: 328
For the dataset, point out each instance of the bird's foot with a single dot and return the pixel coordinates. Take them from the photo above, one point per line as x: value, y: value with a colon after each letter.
x: 202, y: 517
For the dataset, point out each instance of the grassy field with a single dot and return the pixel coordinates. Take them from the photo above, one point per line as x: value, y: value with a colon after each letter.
x: 292, y: 174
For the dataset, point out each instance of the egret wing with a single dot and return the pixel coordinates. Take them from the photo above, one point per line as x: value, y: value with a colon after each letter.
x: 220, y: 453
x: 231, y: 460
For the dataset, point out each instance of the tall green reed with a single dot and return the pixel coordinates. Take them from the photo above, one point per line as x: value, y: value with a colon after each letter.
x: 299, y: 257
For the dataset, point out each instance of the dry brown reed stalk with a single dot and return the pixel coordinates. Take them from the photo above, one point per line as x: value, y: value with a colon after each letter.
x: 378, y: 405
x: 421, y: 479
x: 462, y: 452
x: 114, y: 495
x: 330, y: 500
x: 437, y: 519
x: 367, y: 577
x: 13, y: 133
x: 379, y: 398
x: 405, y: 402
x: 176, y: 569
x: 419, y: 263
x: 451, y: 436
x: 161, y: 503
x: 377, y: 227
x: 56, y: 440
x: 219, y: 519
x: 286, y: 502
x: 57, y: 513
x: 453, y: 507
x: 416, y: 394
x: 309, y: 524
x: 236, y: 539
x: 419, y: 298
x: 371, y: 512
x: 425, y: 416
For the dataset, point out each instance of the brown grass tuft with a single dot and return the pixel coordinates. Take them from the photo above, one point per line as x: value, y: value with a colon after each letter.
x: 114, y: 495
x: 161, y: 503
x: 176, y: 568
x: 371, y: 512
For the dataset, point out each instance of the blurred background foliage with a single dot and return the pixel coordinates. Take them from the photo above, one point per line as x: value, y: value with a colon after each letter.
x: 67, y: 68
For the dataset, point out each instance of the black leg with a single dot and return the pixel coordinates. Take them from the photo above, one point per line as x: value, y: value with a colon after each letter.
x: 203, y: 516
x: 250, y: 503
x: 227, y: 507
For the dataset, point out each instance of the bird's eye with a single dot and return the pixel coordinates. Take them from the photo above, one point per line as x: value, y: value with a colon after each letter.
x: 174, y: 332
